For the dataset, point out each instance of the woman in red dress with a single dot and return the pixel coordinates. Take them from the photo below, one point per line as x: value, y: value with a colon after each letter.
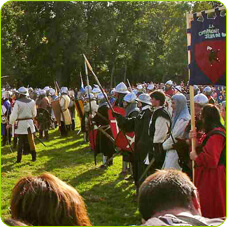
x: 210, y: 167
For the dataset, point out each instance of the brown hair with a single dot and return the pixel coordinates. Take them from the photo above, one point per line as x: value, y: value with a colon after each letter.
x: 164, y: 190
x: 158, y: 95
x: 46, y: 200
x: 210, y: 117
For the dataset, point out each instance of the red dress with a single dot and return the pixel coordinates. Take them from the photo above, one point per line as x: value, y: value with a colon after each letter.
x: 210, y: 178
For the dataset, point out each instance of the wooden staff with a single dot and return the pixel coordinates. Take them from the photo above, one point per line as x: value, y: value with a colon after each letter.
x: 105, y: 96
x: 97, y: 81
x: 129, y: 85
x: 189, y: 18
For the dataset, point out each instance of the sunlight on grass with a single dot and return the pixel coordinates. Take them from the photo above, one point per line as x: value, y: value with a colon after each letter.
x: 109, y: 198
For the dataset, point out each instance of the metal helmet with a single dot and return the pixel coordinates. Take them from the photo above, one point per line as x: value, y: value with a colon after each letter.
x: 71, y: 93
x: 207, y: 90
x: 6, y: 95
x: 88, y: 89
x: 112, y: 91
x: 51, y: 92
x: 130, y: 98
x: 169, y: 82
x: 144, y: 98
x: 47, y: 88
x: 121, y: 88
x: 139, y: 87
x: 43, y: 92
x: 64, y: 90
x: 196, y: 89
x: 96, y: 90
x: 150, y: 87
x: 178, y: 88
x: 23, y: 91
x: 201, y: 99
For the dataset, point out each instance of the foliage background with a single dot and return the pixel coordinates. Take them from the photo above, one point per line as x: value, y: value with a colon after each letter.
x: 140, y: 41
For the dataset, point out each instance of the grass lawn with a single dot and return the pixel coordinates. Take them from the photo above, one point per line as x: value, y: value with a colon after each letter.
x: 109, y: 198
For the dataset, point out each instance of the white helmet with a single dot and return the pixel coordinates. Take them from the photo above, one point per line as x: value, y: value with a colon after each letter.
x: 207, y: 90
x: 64, y: 90
x: 150, y: 87
x: 144, y: 98
x: 121, y: 88
x: 139, y: 87
x: 6, y: 95
x: 47, y: 88
x: 71, y: 93
x: 23, y: 91
x: 169, y: 82
x: 201, y: 99
x: 42, y: 92
x: 88, y: 88
x: 130, y: 97
x: 178, y: 88
x: 113, y: 91
x: 96, y: 90
x: 51, y: 92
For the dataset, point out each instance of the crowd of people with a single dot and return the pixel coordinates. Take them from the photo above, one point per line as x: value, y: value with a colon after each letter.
x: 158, y: 118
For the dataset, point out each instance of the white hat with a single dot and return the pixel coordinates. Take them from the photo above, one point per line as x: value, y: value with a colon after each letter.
x: 96, y: 90
x: 139, y: 87
x: 5, y: 94
x: 71, y: 93
x: 178, y: 88
x: 201, y: 99
x: 144, y: 98
x: 46, y: 88
x: 207, y: 90
x: 113, y: 90
x: 130, y: 97
x: 169, y: 82
x: 88, y: 88
x: 42, y: 92
x: 64, y: 90
x: 150, y: 87
x: 121, y: 88
x: 23, y: 91
x: 51, y: 91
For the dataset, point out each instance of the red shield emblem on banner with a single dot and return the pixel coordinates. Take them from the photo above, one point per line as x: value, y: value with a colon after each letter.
x: 210, y: 56
x: 92, y: 138
x: 125, y: 142
x: 113, y: 122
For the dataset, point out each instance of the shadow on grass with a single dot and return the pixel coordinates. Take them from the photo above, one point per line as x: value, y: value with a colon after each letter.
x: 115, y: 203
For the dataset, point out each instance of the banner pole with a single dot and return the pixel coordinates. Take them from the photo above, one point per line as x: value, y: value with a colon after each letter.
x: 191, y: 90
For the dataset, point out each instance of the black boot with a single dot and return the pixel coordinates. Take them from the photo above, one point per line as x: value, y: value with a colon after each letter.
x: 33, y: 156
x: 19, y: 156
x: 14, y: 142
x: 46, y: 135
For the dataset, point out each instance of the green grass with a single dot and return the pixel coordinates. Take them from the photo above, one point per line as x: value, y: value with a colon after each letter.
x: 109, y: 198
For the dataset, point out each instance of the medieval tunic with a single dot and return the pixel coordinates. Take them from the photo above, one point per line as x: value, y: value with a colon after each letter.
x: 140, y: 126
x: 210, y: 177
x: 103, y: 144
x: 24, y: 111
x: 64, y: 104
x: 24, y: 108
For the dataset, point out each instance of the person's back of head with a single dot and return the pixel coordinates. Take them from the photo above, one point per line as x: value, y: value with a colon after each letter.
x: 165, y: 191
x: 46, y: 200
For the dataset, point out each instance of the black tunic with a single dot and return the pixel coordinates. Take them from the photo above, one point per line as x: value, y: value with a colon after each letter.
x: 103, y: 143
